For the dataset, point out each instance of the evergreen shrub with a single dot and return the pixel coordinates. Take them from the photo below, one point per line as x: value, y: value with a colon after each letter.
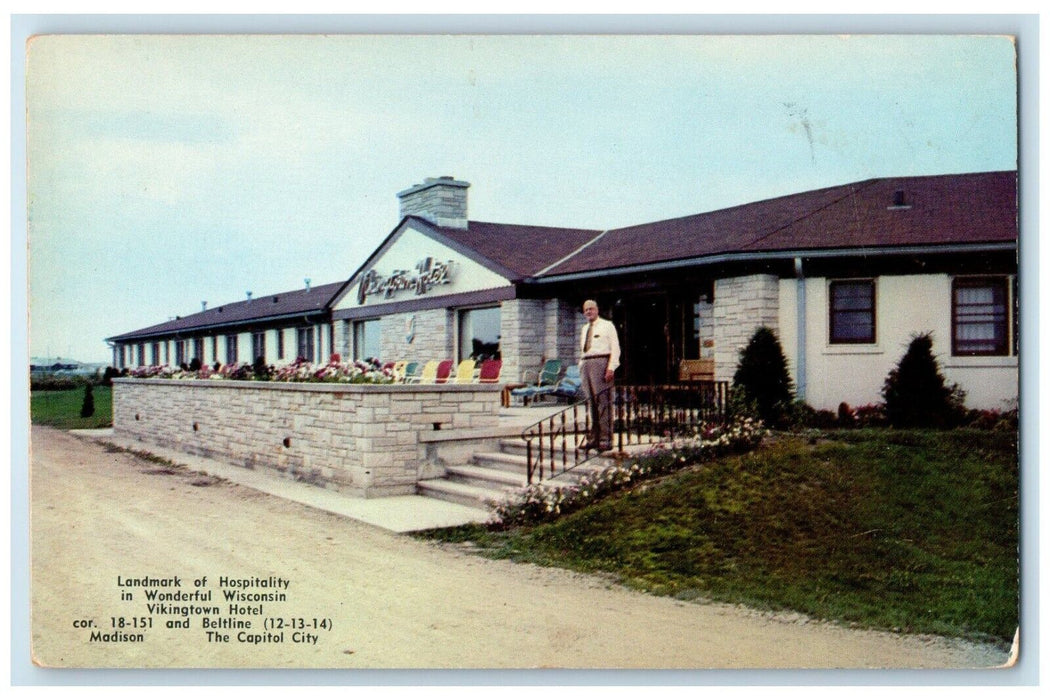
x: 915, y: 392
x: 762, y: 379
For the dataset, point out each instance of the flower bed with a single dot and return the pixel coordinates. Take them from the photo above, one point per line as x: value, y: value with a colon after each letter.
x: 355, y: 372
x: 545, y: 501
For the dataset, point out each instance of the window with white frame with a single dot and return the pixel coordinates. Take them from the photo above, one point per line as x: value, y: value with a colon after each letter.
x: 851, y: 312
x: 981, y: 316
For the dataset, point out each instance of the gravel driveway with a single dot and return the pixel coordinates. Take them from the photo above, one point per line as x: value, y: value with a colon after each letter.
x: 136, y: 564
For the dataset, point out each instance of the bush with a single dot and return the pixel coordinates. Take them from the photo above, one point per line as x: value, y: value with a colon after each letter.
x: 260, y: 370
x: 991, y: 420
x: 915, y: 393
x: 801, y: 416
x: 87, y: 409
x: 846, y: 418
x: 107, y: 378
x: 49, y: 381
x: 872, y: 415
x: 762, y: 377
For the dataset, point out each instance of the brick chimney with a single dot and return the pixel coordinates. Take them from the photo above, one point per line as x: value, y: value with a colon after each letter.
x: 439, y: 200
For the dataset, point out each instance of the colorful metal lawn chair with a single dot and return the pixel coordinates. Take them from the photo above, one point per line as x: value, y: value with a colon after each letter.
x: 547, y: 377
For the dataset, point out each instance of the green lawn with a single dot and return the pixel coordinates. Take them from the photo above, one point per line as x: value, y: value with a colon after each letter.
x: 61, y: 409
x: 914, y: 531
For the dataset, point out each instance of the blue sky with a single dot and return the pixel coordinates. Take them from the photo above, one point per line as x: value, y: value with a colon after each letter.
x: 169, y: 170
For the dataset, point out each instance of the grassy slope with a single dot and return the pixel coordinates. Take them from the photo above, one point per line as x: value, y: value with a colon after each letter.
x: 61, y: 409
x: 915, y: 531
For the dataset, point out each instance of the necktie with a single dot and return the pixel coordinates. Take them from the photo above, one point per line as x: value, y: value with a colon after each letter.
x: 590, y: 332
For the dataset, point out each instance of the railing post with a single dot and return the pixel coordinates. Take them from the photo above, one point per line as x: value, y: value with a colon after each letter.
x: 575, y: 434
x: 564, y: 437
x: 550, y: 437
x: 539, y: 429
x: 619, y: 416
x: 650, y: 412
x: 528, y: 461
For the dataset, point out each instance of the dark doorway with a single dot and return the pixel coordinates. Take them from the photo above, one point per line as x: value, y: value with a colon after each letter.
x: 642, y: 324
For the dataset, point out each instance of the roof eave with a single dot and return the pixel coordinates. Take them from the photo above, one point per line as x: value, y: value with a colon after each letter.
x: 760, y: 256
x: 211, y: 326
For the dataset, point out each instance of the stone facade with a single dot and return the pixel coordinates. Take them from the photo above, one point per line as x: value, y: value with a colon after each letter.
x: 531, y: 331
x: 432, y: 336
x: 364, y: 440
x: 741, y: 306
x: 523, y: 330
x: 563, y: 325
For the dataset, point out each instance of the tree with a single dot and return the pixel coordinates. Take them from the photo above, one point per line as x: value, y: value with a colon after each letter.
x: 87, y: 409
x: 107, y: 378
x: 762, y: 377
x: 915, y: 393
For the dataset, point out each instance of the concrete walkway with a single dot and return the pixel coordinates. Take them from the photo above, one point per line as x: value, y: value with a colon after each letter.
x: 393, y: 513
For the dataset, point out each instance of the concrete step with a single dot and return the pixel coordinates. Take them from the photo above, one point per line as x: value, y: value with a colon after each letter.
x: 518, y: 446
x: 486, y: 478
x: 463, y: 494
x: 632, y: 444
x: 493, y: 475
x: 516, y: 464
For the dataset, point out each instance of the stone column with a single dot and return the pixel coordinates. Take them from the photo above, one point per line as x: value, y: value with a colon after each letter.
x: 741, y: 306
x: 523, y: 331
x: 563, y: 323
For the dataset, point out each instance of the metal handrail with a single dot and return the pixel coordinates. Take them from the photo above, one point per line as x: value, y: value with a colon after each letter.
x: 642, y: 414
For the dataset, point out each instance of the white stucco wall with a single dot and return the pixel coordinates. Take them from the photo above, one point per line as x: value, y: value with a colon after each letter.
x: 904, y: 306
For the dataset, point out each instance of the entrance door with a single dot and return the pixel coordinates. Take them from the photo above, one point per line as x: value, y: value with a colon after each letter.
x: 642, y: 322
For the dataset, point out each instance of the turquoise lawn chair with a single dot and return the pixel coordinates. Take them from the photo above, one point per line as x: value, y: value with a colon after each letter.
x: 569, y: 386
x: 546, y: 381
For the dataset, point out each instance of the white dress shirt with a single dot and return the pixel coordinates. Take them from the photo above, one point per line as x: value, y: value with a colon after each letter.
x: 604, y: 341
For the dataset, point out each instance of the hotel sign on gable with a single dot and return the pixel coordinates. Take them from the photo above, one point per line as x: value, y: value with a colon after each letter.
x: 429, y: 273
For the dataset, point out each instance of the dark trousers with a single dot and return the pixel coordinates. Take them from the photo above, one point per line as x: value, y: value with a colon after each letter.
x: 592, y: 374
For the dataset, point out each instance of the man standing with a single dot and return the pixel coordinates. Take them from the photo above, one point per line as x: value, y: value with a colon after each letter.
x: 600, y: 356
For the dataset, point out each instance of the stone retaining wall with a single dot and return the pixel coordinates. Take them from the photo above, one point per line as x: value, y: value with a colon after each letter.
x: 359, y: 439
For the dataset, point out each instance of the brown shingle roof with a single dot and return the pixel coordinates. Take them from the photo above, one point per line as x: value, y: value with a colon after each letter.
x: 262, y: 308
x: 944, y: 209
x: 938, y: 210
x: 522, y: 250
